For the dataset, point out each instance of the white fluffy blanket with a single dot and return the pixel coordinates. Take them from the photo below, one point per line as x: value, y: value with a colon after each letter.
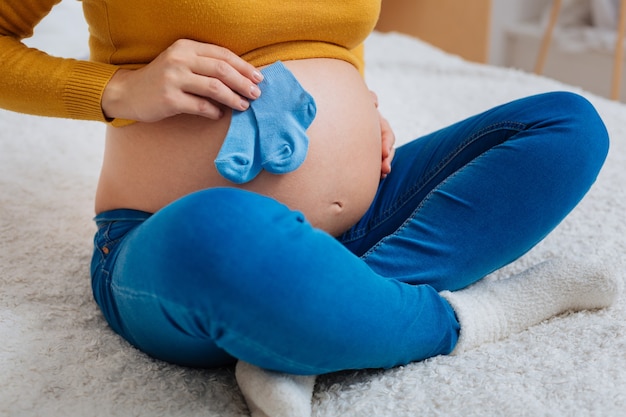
x: 58, y: 357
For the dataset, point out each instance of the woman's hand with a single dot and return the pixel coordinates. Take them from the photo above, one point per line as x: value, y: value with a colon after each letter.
x: 388, y: 139
x: 187, y: 78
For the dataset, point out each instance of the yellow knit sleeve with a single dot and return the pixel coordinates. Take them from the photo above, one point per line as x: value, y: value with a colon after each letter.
x: 34, y: 82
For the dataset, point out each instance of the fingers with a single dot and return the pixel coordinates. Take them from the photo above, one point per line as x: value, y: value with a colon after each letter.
x: 388, y: 136
x: 231, y: 90
x: 233, y: 60
x: 388, y: 139
x: 385, y: 167
x: 224, y: 77
x: 201, y: 106
x: 387, y: 157
x: 374, y: 97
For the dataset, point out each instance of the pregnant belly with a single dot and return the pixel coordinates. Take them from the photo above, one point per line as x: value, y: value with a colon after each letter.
x: 146, y: 166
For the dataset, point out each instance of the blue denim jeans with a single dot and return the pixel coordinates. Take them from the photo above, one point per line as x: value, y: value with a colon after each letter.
x: 223, y: 273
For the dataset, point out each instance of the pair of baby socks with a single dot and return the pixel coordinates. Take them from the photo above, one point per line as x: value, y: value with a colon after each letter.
x: 271, y: 134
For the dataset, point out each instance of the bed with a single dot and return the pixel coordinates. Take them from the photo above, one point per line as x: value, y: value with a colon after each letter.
x: 59, y: 358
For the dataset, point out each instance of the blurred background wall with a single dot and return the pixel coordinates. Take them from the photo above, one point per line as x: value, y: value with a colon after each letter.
x: 509, y: 33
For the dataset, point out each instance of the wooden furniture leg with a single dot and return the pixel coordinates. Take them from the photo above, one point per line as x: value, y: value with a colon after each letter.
x: 618, y: 62
x: 547, y: 37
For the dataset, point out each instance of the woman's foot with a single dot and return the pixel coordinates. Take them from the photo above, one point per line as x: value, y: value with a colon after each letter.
x: 275, y: 394
x: 491, y: 310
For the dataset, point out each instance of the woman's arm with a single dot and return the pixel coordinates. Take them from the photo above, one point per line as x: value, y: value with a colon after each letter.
x: 36, y: 83
x: 189, y: 77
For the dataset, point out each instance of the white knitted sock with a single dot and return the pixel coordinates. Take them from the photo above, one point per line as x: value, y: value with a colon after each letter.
x: 491, y: 310
x: 275, y: 394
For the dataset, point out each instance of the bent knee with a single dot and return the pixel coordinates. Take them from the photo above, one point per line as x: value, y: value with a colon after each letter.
x: 580, y: 115
x: 583, y: 132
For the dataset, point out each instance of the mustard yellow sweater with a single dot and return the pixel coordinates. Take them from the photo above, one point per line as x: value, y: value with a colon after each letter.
x: 131, y: 33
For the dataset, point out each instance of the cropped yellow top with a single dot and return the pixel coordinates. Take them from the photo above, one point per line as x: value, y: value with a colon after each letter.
x: 131, y: 33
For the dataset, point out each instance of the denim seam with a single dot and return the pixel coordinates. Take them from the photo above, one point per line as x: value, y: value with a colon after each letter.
x: 218, y: 324
x: 258, y: 348
x: 410, y: 193
x: 117, y: 291
x: 407, y: 221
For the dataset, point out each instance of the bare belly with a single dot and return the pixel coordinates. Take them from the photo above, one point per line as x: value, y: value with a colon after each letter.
x: 147, y: 166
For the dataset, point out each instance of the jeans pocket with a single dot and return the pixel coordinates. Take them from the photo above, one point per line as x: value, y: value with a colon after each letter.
x: 106, y: 242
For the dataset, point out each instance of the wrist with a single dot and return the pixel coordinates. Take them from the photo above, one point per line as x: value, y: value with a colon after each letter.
x: 112, y: 96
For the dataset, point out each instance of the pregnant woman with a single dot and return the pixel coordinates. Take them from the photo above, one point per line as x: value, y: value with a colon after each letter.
x: 251, y: 206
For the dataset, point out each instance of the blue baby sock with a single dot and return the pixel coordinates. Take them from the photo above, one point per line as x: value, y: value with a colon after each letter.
x: 271, y: 134
x: 239, y: 157
x: 284, y: 113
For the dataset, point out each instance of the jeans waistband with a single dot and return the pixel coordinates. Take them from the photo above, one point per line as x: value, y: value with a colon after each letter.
x: 121, y: 215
